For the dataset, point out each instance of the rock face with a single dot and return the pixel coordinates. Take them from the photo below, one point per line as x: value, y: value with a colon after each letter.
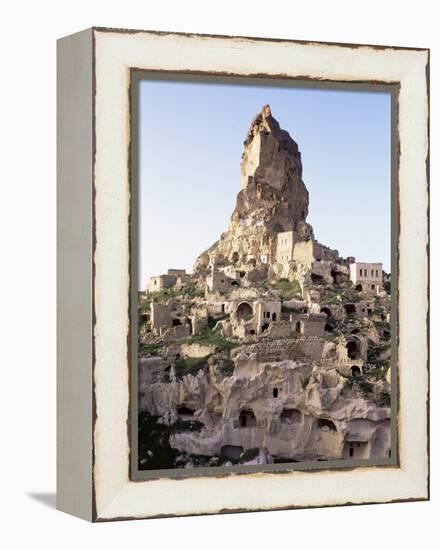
x: 272, y: 197
x: 275, y: 349
x: 290, y: 409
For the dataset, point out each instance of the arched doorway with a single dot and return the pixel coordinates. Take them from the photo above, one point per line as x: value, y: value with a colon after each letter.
x: 245, y: 311
x: 353, y: 350
x: 355, y: 370
x: 326, y: 425
x: 350, y: 309
x: 359, y: 287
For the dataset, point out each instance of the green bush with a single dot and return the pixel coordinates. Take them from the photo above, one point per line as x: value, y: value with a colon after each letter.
x: 154, y: 449
x: 365, y: 387
x: 227, y: 367
x: 288, y: 289
x: 213, y: 338
x: 190, y: 290
x: 151, y: 349
x: 384, y: 399
x: 377, y: 373
x: 189, y: 365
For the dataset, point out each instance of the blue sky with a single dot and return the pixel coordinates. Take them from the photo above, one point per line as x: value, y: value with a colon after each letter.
x: 191, y: 141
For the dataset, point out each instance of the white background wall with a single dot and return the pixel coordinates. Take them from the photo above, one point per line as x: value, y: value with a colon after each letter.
x: 27, y: 218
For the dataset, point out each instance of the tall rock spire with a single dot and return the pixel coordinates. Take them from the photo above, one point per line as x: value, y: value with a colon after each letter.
x: 272, y: 196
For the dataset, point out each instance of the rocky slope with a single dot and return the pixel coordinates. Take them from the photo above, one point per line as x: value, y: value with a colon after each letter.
x: 268, y: 352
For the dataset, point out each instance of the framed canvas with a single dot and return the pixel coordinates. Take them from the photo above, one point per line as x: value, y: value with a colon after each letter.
x: 242, y: 274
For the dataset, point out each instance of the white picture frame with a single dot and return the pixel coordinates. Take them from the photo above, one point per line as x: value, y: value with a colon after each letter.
x: 94, y: 201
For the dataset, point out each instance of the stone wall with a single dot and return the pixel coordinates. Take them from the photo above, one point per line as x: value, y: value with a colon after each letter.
x: 176, y: 333
x: 279, y: 329
x: 281, y: 350
x: 220, y: 282
x: 285, y: 240
x: 176, y: 272
x: 196, y: 350
x: 303, y: 253
x: 160, y: 317
x: 160, y: 282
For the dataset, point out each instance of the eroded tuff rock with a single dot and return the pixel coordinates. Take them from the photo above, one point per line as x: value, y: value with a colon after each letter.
x: 272, y: 198
x: 315, y: 415
x: 275, y: 349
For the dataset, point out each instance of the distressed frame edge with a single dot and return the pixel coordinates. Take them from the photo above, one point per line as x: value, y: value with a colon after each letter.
x: 94, y: 516
x: 425, y: 494
x: 188, y: 34
x: 136, y: 77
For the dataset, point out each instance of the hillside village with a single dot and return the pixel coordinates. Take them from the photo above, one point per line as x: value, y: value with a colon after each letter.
x: 274, y: 349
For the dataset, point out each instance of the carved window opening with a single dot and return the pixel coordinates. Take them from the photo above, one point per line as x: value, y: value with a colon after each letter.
x: 247, y: 418
x: 289, y: 416
x: 326, y: 425
x: 185, y: 412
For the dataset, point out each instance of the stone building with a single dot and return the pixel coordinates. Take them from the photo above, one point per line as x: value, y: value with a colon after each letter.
x: 308, y: 324
x: 177, y: 272
x: 218, y: 281
x: 285, y: 245
x: 161, y: 282
x: 168, y: 280
x: 366, y: 276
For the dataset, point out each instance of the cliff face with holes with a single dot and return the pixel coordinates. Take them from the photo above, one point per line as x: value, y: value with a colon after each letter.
x: 289, y: 410
x: 275, y: 349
